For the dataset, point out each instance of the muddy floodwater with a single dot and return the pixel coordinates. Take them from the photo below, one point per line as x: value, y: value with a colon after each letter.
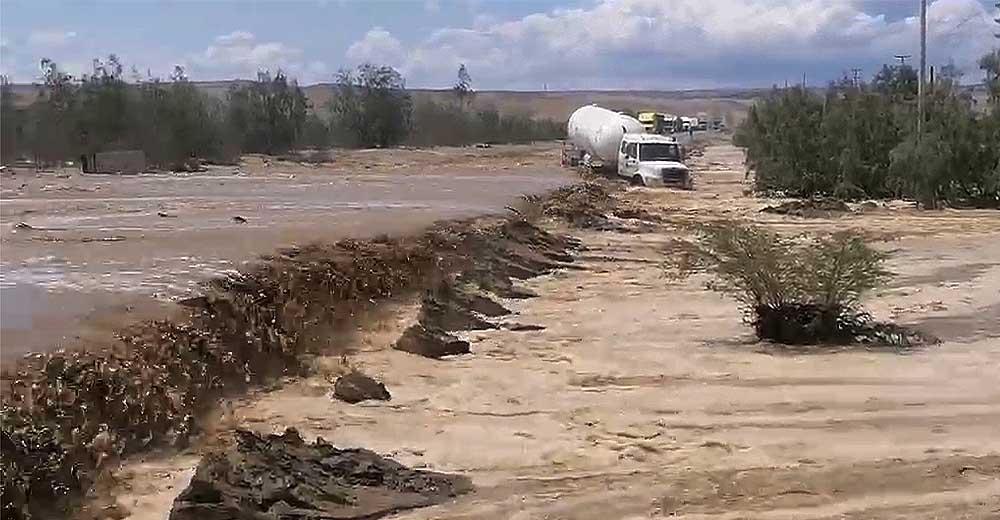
x: 84, y: 254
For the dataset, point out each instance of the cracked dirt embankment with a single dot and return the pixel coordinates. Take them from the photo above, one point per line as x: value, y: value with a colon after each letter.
x: 645, y: 396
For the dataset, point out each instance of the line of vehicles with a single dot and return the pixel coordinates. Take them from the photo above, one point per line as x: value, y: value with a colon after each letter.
x: 610, y: 141
x: 664, y: 124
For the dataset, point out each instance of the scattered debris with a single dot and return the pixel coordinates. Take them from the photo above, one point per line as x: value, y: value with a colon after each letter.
x: 810, y: 208
x: 283, y: 477
x: 356, y: 387
x: 164, y: 214
x: 114, y: 238
x: 23, y: 225
x: 239, y: 220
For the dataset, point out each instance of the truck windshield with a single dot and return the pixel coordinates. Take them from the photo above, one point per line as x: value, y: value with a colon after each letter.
x: 659, y: 152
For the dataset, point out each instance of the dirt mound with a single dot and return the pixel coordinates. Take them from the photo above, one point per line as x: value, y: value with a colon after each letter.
x: 810, y: 208
x: 282, y: 477
x: 356, y: 387
x: 429, y: 342
x: 582, y: 205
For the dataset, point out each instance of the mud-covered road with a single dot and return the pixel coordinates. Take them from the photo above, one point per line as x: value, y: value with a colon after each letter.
x: 103, y: 251
x: 646, y: 396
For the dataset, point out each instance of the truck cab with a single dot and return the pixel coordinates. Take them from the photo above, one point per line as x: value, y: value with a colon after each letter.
x: 653, y: 160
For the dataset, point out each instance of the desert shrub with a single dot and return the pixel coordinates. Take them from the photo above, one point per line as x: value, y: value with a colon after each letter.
x: 800, y: 290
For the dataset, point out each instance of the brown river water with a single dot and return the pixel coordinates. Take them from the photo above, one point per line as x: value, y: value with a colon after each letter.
x: 103, y: 251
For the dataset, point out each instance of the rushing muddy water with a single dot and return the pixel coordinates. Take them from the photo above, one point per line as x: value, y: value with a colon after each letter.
x: 98, y: 251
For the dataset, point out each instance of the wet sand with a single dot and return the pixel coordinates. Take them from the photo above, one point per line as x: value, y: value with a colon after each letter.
x: 105, y: 251
x: 647, y: 396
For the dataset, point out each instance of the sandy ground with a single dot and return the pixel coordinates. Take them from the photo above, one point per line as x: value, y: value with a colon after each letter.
x: 646, y: 396
x: 106, y: 250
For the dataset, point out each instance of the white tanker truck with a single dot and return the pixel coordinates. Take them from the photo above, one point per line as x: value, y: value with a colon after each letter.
x: 616, y: 142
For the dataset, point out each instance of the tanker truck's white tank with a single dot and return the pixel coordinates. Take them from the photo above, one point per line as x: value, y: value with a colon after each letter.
x: 599, y: 131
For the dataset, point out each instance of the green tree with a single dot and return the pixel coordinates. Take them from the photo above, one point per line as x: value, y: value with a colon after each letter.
x: 899, y: 81
x: 11, y: 122
x: 268, y: 115
x: 371, y: 107
x: 52, y: 118
x: 990, y: 65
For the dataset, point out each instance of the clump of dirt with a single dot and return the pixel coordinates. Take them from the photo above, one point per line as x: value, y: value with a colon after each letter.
x: 282, y: 476
x: 355, y: 387
x: 445, y: 313
x: 583, y: 205
x: 430, y: 342
x: 810, y: 208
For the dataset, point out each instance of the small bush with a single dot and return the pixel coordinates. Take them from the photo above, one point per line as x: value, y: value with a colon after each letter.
x: 796, y: 290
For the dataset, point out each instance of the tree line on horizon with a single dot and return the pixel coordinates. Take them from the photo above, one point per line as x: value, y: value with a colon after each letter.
x: 176, y: 124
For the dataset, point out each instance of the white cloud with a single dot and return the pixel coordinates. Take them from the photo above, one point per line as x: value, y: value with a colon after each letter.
x: 681, y: 43
x: 235, y: 38
x: 377, y: 46
x: 239, y: 54
x: 50, y: 38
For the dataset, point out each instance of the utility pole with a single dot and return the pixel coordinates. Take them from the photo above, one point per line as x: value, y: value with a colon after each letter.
x: 923, y: 68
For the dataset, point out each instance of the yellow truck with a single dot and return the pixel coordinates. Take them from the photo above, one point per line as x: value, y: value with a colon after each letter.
x: 653, y: 122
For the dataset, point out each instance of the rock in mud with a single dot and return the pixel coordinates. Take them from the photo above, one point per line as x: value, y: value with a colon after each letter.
x: 283, y: 477
x: 429, y: 342
x: 356, y: 387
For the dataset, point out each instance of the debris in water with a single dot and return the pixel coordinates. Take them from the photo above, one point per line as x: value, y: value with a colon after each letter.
x: 520, y: 327
x: 356, y: 387
x: 164, y: 214
x: 115, y: 238
x: 240, y: 220
x: 282, y: 476
x: 810, y: 208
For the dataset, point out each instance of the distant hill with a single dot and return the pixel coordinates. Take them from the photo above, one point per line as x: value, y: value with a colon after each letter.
x: 556, y: 105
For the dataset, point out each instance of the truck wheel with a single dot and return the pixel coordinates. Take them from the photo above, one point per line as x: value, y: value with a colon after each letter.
x: 636, y: 180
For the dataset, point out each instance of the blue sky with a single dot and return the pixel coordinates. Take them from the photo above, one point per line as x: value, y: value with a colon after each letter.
x: 519, y: 44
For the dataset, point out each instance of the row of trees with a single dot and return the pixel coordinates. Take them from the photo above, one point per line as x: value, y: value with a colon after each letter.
x: 859, y: 141
x: 171, y: 122
x: 174, y: 121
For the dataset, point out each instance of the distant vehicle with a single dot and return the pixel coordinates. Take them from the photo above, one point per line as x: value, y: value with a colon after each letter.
x: 607, y: 140
x: 655, y: 122
x: 653, y: 160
